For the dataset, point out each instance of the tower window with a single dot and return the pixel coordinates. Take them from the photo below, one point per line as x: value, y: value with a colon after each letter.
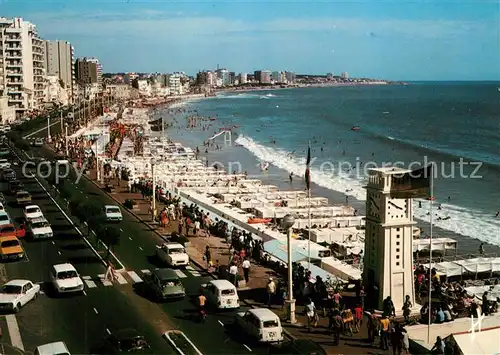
x: 397, y: 243
x: 397, y: 236
x: 397, y: 263
x: 397, y: 250
x: 397, y: 256
x: 397, y: 229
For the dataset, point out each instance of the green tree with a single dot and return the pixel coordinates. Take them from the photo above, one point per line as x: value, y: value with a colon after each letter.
x: 110, y: 236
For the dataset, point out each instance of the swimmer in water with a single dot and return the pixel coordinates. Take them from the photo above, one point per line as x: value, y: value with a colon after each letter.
x: 291, y: 177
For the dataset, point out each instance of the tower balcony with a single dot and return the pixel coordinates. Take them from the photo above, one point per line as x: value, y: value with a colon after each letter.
x: 14, y: 38
x: 14, y: 64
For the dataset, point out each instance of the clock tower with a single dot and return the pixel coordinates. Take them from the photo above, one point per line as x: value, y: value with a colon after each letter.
x: 388, y: 259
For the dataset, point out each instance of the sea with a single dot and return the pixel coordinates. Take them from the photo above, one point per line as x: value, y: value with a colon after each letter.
x: 454, y: 125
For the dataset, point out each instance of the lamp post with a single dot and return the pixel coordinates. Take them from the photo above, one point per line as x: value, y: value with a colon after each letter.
x: 287, y: 223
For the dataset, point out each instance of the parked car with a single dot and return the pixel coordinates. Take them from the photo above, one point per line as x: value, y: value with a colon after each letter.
x: 10, y: 248
x: 8, y: 175
x: 173, y: 254
x: 40, y: 228
x: 221, y: 294
x: 23, y: 197
x: 113, y: 213
x: 15, y: 186
x: 4, y: 164
x: 165, y: 284
x: 65, y: 278
x: 10, y: 229
x: 32, y: 212
x: 4, y: 218
x: 58, y: 348
x: 17, y: 293
x: 4, y: 152
x: 261, y: 324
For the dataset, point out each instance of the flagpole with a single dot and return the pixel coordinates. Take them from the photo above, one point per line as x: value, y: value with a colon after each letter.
x: 430, y: 258
x: 309, y: 230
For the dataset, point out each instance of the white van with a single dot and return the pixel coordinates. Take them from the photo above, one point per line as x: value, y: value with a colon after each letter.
x: 222, y: 294
x: 261, y: 324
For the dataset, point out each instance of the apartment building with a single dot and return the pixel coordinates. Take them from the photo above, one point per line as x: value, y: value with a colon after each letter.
x: 22, y: 64
x: 59, y: 61
x: 88, y: 71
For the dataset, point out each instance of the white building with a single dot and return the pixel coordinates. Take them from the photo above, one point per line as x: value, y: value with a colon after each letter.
x: 388, y: 259
x: 143, y: 86
x: 54, y: 91
x: 22, y: 59
x: 243, y: 78
x: 178, y: 83
x: 7, y: 113
x: 344, y: 75
x: 59, y: 61
x: 120, y: 91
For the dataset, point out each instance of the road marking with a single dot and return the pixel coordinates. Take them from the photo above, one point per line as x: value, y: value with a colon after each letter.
x: 179, y: 333
x: 95, y: 310
x: 14, y: 333
x: 146, y: 271
x: 104, y: 281
x: 84, y: 293
x: 195, y: 273
x: 189, y: 267
x: 85, y: 223
x: 121, y: 230
x: 107, y: 331
x: 54, y: 243
x: 89, y: 282
x: 121, y: 280
x: 180, y: 273
x: 133, y: 275
x: 58, y: 252
x: 247, y: 347
x: 222, y: 324
x: 40, y: 130
x: 129, y: 238
x: 141, y: 248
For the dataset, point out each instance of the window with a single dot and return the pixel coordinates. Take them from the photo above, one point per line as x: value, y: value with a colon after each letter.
x: 397, y: 250
x: 270, y: 323
x: 397, y: 243
x: 397, y: 236
x: 229, y: 292
x: 397, y: 263
x: 397, y: 256
x: 397, y: 229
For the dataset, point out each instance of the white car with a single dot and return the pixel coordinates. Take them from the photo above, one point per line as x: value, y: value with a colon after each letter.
x: 31, y: 212
x: 65, y: 278
x: 40, y: 228
x: 174, y: 254
x: 4, y: 218
x: 57, y: 348
x: 261, y: 324
x: 4, y: 164
x: 113, y: 213
x: 16, y: 293
x: 38, y: 142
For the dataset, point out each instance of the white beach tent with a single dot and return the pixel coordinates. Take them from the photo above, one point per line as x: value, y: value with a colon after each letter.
x: 471, y: 266
x: 479, y: 342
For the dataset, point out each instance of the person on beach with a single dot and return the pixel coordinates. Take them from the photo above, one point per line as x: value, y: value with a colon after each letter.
x: 271, y: 291
x: 233, y: 274
x: 207, y: 256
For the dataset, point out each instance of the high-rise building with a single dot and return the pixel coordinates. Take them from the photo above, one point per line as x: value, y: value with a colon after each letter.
x: 243, y: 77
x: 290, y: 77
x: 59, y: 62
x: 88, y: 71
x: 21, y: 68
x: 344, y: 75
x: 265, y: 77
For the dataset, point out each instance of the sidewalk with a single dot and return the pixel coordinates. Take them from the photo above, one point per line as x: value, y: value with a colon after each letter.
x: 253, y: 292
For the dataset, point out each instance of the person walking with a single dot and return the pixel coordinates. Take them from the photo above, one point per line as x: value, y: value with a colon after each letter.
x: 246, y: 269
x: 271, y: 291
x: 233, y: 273
x: 338, y: 326
x: 207, y: 256
x: 384, y: 332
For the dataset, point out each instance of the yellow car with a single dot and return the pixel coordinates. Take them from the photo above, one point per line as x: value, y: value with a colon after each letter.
x: 11, y: 248
x: 23, y: 198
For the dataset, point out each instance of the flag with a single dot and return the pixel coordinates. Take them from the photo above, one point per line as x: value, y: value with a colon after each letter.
x: 414, y: 184
x: 308, y: 172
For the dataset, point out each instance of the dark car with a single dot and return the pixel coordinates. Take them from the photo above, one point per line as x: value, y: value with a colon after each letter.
x: 15, y: 186
x: 299, y: 346
x: 124, y: 341
x: 9, y: 175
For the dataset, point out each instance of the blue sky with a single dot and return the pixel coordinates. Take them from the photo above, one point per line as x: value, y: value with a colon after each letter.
x: 400, y: 40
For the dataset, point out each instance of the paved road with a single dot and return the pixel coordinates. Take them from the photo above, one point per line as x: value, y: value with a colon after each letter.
x: 82, y: 320
x: 136, y: 251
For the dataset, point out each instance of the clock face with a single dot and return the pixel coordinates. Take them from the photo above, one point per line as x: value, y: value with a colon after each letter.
x: 397, y: 208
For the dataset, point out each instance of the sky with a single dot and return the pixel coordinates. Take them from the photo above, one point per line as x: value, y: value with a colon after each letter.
x: 395, y: 40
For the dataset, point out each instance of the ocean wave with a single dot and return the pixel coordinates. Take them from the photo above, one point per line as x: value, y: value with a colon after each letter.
x: 455, y: 153
x: 245, y: 95
x: 472, y: 223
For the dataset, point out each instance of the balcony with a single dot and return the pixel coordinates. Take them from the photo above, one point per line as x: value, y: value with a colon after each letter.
x: 37, y: 50
x: 12, y: 47
x: 14, y: 55
x: 13, y: 38
x: 14, y: 64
